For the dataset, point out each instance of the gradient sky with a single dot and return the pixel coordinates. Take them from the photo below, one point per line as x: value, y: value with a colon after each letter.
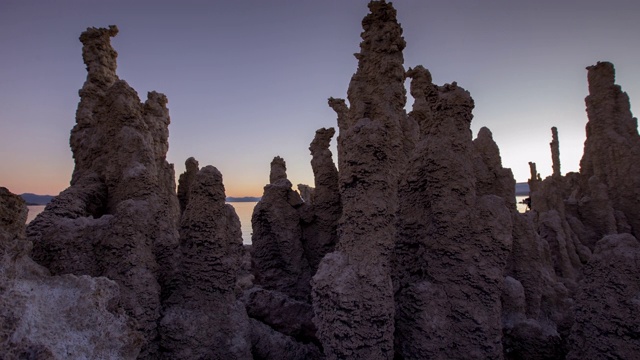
x: 249, y: 80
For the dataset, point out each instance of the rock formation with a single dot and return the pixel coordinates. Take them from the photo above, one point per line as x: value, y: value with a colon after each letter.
x: 185, y: 181
x: 491, y: 177
x: 55, y: 317
x: 201, y: 317
x: 573, y: 213
x: 612, y: 148
x: 534, y: 178
x: 319, y: 235
x: 411, y: 248
x: 119, y: 216
x: 278, y: 256
x: 607, y: 302
x: 278, y: 170
x: 352, y: 290
x: 443, y: 309
x: 555, y: 151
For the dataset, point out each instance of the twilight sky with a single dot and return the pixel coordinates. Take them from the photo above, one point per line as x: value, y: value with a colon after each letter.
x: 249, y: 80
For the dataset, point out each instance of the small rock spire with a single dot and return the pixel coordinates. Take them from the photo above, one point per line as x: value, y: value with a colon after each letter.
x: 555, y: 151
x: 278, y: 170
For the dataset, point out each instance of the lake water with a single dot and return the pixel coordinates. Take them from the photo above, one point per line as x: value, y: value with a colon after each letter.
x: 243, y: 209
x: 521, y: 207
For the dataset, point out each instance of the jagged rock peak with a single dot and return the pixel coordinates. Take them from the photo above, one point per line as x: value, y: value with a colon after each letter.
x: 322, y: 139
x: 376, y: 90
x: 98, y: 54
x: 354, y: 281
x: 186, y: 180
x: 533, y: 172
x: 425, y: 95
x: 120, y: 215
x: 612, y: 147
x: 555, y: 151
x: 278, y: 170
x: 601, y: 76
x: 342, y: 110
x: 388, y: 35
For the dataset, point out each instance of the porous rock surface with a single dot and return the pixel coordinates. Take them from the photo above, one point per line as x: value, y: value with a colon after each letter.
x: 277, y: 255
x: 319, y: 234
x: 55, y: 317
x: 607, y: 302
x: 186, y: 179
x: 202, y: 318
x: 612, y: 147
x: 352, y: 289
x: 411, y: 248
x: 119, y: 217
x: 587, y: 219
x: 444, y: 310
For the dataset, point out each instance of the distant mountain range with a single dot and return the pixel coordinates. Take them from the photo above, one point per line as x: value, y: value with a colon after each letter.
x: 522, y: 189
x: 243, y: 199
x: 33, y: 199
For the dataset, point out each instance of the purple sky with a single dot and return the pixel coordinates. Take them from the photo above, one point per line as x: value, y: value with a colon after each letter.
x: 249, y: 80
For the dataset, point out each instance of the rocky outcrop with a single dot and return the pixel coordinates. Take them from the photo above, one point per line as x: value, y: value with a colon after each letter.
x: 445, y: 220
x: 607, y: 302
x: 555, y: 151
x: 278, y: 256
x: 491, y: 177
x: 278, y: 170
x: 55, y: 317
x: 612, y: 147
x: 534, y: 178
x: 201, y: 317
x: 185, y: 181
x: 352, y: 290
x: 552, y: 219
x: 290, y: 317
x: 119, y: 217
x: 267, y: 343
x: 534, y: 304
x: 319, y: 235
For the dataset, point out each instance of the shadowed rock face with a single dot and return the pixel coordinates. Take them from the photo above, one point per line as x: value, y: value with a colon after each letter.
x: 534, y: 304
x: 454, y: 239
x: 55, y: 317
x: 354, y: 281
x: 555, y: 151
x: 119, y: 216
x: 278, y: 256
x: 607, y: 302
x: 201, y: 318
x: 612, y: 148
x: 185, y: 181
x: 278, y: 170
x: 320, y: 233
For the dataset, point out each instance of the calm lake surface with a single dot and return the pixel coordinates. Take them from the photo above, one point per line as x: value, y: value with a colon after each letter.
x: 521, y: 207
x: 243, y: 209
